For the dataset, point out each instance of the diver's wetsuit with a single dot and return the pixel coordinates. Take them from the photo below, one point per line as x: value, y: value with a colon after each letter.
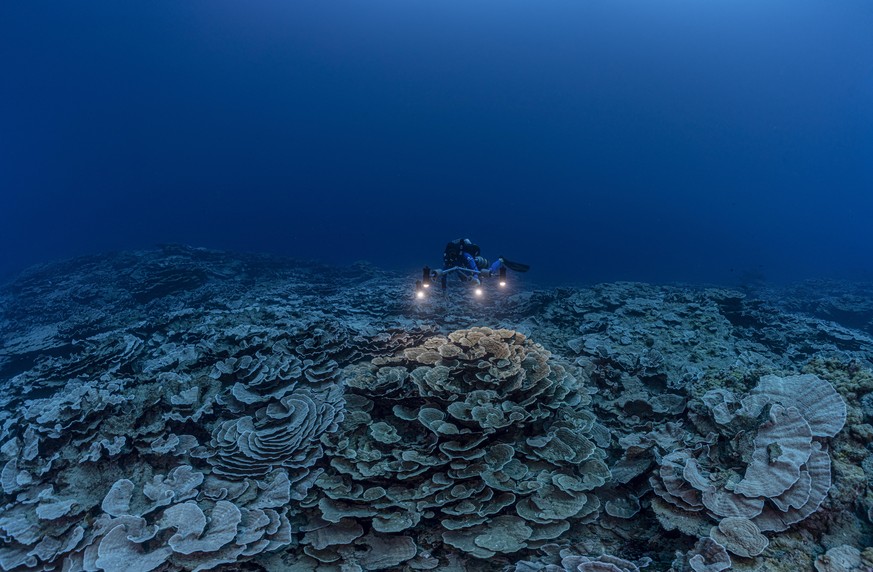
x: 461, y: 252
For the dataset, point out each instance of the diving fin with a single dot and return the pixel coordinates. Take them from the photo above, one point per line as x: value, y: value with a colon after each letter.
x: 516, y: 266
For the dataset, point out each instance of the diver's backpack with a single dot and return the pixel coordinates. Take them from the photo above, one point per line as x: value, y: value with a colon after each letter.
x: 452, y: 253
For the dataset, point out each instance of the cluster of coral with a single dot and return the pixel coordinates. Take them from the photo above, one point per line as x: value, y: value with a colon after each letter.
x: 477, y: 441
x: 756, y: 464
x: 191, y: 410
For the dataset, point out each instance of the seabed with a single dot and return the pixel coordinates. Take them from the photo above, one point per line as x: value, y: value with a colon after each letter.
x: 188, y: 409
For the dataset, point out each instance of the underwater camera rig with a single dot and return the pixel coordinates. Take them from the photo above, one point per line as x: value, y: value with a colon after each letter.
x: 430, y: 276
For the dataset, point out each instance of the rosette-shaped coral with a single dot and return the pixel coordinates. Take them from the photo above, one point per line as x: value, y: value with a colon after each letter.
x: 763, y: 467
x: 95, y: 359
x: 183, y: 521
x: 74, y: 416
x: 283, y: 397
x: 265, y: 362
x: 557, y: 558
x: 260, y: 370
x: 67, y: 441
x: 324, y: 346
x: 479, y: 438
x: 390, y: 341
x: 100, y: 355
x: 283, y: 434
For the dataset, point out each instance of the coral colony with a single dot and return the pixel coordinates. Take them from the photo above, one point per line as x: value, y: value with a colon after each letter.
x: 184, y: 409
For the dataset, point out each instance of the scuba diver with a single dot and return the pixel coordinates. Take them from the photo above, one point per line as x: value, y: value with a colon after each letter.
x: 464, y: 253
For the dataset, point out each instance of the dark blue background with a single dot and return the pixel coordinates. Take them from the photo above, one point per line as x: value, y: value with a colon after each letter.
x: 595, y: 140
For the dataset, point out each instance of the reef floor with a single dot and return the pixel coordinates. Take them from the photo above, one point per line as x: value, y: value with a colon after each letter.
x: 188, y: 409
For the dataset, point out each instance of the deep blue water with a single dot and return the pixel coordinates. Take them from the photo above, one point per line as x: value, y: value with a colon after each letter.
x: 596, y: 140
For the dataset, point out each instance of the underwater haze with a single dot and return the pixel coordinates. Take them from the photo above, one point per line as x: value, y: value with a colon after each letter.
x: 595, y: 141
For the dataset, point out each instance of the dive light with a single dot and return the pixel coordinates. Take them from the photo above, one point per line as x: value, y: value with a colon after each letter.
x: 419, y: 290
x: 502, y: 276
x: 425, y: 277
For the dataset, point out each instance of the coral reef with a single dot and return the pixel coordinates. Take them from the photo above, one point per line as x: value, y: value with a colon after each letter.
x: 755, y: 465
x: 479, y: 441
x: 185, y: 409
